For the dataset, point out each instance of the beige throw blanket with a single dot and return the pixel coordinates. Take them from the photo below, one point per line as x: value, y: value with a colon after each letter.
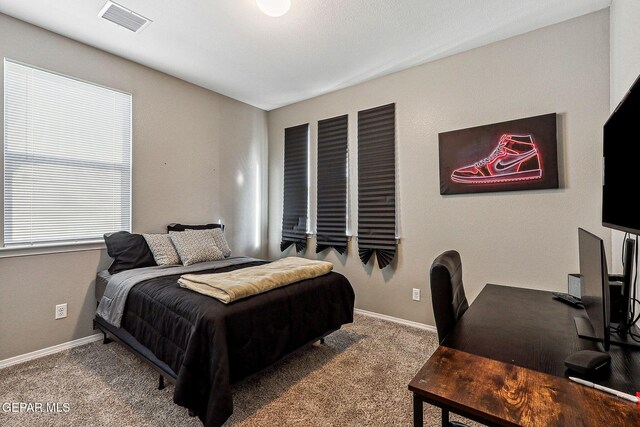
x: 242, y: 283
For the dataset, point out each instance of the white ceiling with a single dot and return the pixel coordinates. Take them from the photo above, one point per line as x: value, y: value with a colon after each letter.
x: 231, y: 47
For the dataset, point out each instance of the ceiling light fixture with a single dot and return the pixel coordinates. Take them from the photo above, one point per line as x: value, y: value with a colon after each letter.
x: 274, y: 8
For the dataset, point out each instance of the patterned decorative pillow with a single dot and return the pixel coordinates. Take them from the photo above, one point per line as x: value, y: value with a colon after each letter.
x: 162, y: 249
x: 221, y: 242
x: 195, y: 246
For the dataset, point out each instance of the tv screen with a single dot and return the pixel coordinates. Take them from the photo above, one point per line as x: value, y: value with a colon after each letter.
x: 621, y: 174
x: 594, y: 284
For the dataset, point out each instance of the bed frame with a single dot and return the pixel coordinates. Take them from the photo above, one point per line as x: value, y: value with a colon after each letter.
x: 111, y: 333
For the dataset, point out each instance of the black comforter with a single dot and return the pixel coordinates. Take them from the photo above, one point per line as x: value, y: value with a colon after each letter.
x: 210, y: 345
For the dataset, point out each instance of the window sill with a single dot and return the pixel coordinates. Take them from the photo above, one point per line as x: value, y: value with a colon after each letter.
x: 314, y: 235
x: 53, y: 248
x: 355, y: 236
x: 349, y: 237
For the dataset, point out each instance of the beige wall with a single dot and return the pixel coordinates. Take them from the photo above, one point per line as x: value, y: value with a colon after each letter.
x: 625, y: 68
x: 197, y: 157
x: 526, y: 239
x: 625, y: 47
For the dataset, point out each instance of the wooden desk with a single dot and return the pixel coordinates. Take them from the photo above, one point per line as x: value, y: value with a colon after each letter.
x: 523, y: 337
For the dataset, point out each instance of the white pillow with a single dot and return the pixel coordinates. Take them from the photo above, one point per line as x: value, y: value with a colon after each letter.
x: 221, y: 242
x: 196, y: 246
x: 162, y: 249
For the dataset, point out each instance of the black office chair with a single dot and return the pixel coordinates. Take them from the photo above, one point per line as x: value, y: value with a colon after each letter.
x: 449, y: 302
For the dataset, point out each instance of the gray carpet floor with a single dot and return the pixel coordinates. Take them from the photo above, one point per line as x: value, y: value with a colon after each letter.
x: 359, y: 377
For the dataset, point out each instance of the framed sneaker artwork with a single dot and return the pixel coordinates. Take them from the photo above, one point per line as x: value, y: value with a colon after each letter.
x: 509, y: 156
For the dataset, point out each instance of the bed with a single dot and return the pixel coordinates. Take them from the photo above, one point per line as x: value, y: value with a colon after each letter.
x: 203, y: 345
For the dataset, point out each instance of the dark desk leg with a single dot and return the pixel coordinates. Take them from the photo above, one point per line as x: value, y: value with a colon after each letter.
x: 417, y: 411
x: 445, y: 418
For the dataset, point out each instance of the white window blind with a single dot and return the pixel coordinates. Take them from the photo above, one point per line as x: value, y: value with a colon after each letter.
x: 67, y: 158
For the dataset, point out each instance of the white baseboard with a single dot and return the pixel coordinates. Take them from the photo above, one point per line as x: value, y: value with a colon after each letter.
x: 410, y: 323
x: 49, y: 350
x: 97, y: 337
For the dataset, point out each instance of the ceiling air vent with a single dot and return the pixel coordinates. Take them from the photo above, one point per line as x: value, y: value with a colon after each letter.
x: 124, y: 17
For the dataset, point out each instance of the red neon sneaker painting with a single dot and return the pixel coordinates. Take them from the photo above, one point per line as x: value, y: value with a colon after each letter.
x: 516, y: 158
x: 516, y: 155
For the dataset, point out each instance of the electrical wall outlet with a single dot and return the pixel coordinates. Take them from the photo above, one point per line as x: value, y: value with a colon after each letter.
x: 416, y: 294
x: 61, y: 311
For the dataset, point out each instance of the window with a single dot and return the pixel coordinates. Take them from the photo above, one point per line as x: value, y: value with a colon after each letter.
x: 67, y: 158
x: 296, y: 187
x: 377, y: 184
x: 332, y: 184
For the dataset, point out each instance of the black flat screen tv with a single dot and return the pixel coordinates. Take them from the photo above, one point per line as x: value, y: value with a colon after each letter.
x: 621, y: 163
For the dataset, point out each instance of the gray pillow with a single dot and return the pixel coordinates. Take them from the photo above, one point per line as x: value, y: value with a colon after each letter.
x: 162, y: 249
x: 195, y: 246
x: 221, y: 242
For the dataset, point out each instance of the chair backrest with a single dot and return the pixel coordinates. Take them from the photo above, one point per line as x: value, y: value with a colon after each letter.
x: 447, y: 292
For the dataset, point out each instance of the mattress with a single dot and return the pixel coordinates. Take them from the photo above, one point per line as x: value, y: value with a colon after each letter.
x: 102, y: 278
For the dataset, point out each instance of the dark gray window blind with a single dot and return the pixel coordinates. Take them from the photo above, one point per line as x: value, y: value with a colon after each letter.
x: 377, y: 184
x: 296, y: 187
x: 332, y: 184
